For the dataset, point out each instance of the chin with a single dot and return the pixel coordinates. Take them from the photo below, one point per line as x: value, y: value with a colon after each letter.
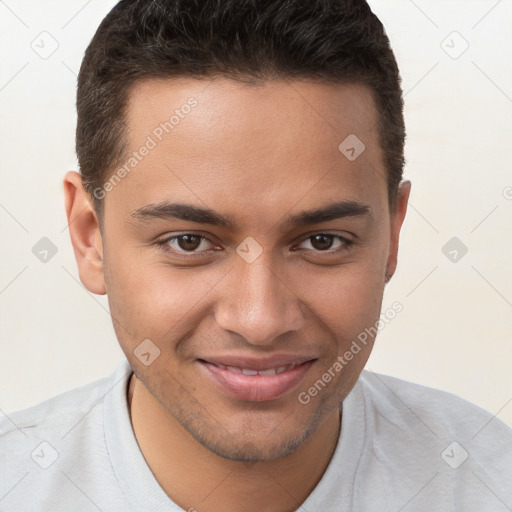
x: 251, y: 447
x: 250, y: 452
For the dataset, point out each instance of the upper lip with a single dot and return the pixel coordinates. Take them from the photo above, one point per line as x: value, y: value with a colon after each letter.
x: 258, y: 363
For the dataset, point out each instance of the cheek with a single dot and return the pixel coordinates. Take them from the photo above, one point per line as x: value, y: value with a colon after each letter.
x: 152, y: 300
x: 346, y: 299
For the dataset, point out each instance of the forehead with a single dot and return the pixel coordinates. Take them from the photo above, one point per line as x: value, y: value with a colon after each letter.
x: 220, y: 140
x: 239, y: 109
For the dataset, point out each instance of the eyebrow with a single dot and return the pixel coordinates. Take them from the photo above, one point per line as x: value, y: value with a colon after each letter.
x: 166, y: 210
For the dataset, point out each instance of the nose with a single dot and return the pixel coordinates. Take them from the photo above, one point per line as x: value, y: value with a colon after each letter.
x: 259, y: 303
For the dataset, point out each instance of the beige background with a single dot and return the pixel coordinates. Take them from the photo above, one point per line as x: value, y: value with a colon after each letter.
x: 454, y: 330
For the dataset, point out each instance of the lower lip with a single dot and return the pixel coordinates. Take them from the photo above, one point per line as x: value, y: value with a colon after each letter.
x: 256, y: 388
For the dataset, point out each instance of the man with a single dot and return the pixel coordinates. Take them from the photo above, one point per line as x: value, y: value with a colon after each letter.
x: 240, y: 200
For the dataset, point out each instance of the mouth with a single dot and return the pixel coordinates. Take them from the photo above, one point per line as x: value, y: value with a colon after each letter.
x: 256, y: 382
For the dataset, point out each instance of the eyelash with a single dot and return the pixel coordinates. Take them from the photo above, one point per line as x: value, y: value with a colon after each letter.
x: 163, y: 244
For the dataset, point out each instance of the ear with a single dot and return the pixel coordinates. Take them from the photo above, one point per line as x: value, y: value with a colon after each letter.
x: 397, y: 216
x: 85, y: 233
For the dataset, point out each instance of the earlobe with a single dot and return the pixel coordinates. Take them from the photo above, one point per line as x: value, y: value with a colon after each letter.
x: 396, y: 220
x: 85, y: 233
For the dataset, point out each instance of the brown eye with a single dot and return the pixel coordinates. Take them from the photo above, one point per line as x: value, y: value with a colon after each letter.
x: 322, y: 242
x: 189, y: 242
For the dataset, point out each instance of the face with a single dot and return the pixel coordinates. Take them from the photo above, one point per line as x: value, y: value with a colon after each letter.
x: 244, y: 237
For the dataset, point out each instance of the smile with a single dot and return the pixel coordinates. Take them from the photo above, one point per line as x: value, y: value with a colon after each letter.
x: 270, y: 371
x: 255, y: 385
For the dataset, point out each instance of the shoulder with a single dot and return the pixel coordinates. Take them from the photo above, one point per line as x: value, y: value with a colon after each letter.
x: 442, y: 412
x: 46, y: 448
x: 417, y: 437
x: 58, y: 412
x: 423, y: 429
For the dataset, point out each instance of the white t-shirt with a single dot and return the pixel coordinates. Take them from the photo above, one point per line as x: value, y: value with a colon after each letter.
x: 402, y: 448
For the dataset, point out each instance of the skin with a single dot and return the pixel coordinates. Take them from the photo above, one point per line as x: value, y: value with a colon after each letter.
x: 257, y: 153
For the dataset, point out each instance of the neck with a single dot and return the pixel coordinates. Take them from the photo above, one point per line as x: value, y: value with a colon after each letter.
x: 194, y: 477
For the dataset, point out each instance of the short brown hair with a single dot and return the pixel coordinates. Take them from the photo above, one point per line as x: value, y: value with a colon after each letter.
x: 331, y: 41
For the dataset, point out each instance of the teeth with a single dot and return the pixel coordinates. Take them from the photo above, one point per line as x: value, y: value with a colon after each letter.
x: 270, y: 371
